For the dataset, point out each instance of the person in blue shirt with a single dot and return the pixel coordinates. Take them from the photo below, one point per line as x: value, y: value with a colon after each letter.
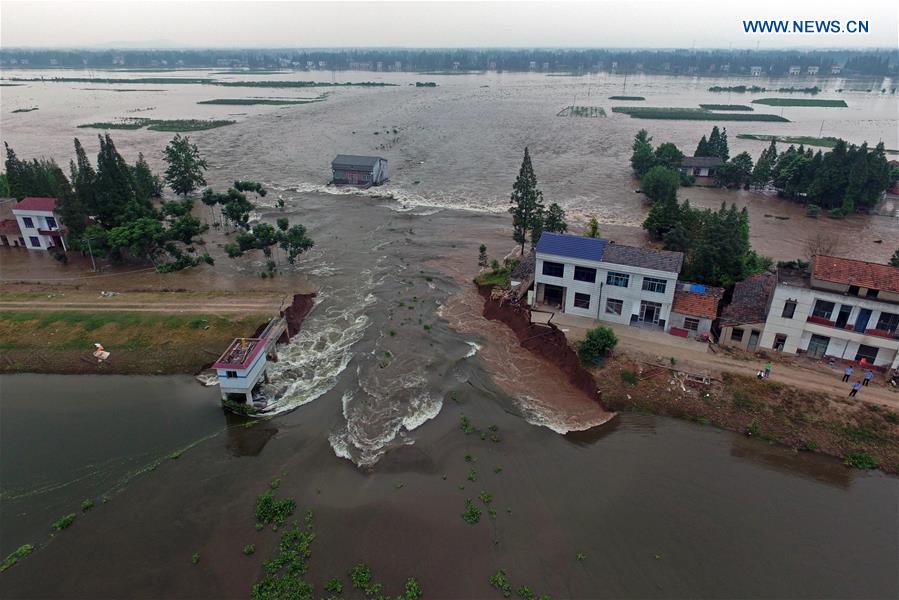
x: 855, y: 388
x: 869, y: 375
x: 847, y: 373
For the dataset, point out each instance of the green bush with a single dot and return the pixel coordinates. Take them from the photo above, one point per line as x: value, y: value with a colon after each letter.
x: 860, y: 460
x: 21, y: 552
x: 472, y: 513
x: 64, y: 522
x: 596, y: 345
x: 812, y: 210
x: 249, y: 549
x: 629, y: 377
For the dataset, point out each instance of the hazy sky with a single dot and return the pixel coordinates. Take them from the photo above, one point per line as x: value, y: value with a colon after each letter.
x: 613, y: 23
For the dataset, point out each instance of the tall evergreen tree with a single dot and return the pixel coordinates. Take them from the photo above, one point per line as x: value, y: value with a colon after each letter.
x: 642, y: 158
x: 761, y: 173
x: 147, y: 185
x: 526, y: 201
x: 554, y: 220
x: 702, y: 149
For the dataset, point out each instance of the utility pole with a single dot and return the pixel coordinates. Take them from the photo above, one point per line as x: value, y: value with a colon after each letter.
x: 93, y: 264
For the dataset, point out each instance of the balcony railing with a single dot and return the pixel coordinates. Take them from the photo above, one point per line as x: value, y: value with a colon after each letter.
x: 883, y: 333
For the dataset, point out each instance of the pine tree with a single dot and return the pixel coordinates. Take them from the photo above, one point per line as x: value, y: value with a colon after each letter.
x: 592, y: 228
x: 526, y: 201
x: 714, y: 146
x: 146, y: 183
x: 642, y: 158
x: 722, y: 151
x: 702, y: 149
x: 554, y: 220
x: 482, y: 256
x: 761, y: 173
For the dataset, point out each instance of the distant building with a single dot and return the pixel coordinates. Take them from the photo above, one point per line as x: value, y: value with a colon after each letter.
x: 835, y: 69
x: 38, y: 224
x: 359, y: 170
x: 743, y: 320
x: 602, y: 280
x: 694, y: 310
x: 813, y: 70
x: 845, y: 310
x: 700, y: 166
x: 755, y: 71
x: 725, y: 68
x: 795, y: 70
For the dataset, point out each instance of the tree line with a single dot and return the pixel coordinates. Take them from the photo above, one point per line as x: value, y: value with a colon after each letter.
x: 841, y: 180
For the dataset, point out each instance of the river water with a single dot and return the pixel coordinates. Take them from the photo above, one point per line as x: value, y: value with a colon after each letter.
x: 372, y: 389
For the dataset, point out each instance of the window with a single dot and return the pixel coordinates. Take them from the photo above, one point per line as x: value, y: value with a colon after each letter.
x: 35, y: 243
x: 618, y: 279
x: 869, y: 353
x: 736, y: 335
x: 691, y: 324
x: 614, y: 307
x: 823, y: 309
x: 584, y: 274
x: 581, y: 300
x: 888, y: 322
x: 780, y: 340
x: 553, y: 269
x: 28, y: 222
x: 231, y: 374
x: 871, y: 293
x: 853, y: 290
x: 51, y: 223
x: 651, y: 284
x: 789, y: 309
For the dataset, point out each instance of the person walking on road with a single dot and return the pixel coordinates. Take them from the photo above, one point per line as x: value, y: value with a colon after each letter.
x: 847, y: 373
x: 869, y: 375
x: 767, y: 369
x: 855, y: 388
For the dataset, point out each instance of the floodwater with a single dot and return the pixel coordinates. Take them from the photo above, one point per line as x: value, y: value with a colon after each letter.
x: 371, y: 391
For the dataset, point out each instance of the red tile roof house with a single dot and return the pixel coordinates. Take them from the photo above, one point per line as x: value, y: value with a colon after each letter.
x: 694, y: 309
x: 38, y: 223
x: 842, y: 310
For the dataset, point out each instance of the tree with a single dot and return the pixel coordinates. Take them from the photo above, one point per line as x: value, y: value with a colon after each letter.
x: 185, y: 166
x: 668, y: 155
x: 4, y: 185
x: 736, y: 173
x: 894, y: 260
x: 702, y: 149
x: 823, y: 243
x: 527, y: 202
x: 642, y: 158
x: 598, y: 342
x: 482, y: 256
x: 295, y: 241
x: 592, y: 228
x: 283, y: 223
x: 761, y: 173
x: 554, y: 220
x: 660, y: 184
x: 116, y: 199
x: 717, y: 144
x: 147, y: 184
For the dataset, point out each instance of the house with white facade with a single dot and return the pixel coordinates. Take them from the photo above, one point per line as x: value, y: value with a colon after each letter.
x: 602, y: 280
x: 700, y: 166
x: 39, y: 226
x: 694, y: 310
x: 843, y: 309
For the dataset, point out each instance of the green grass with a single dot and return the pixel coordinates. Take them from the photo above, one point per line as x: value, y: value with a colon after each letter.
x: 738, y: 107
x: 255, y: 101
x: 170, y: 125
x: 249, y: 549
x: 629, y: 377
x: 20, y: 552
x: 632, y: 98
x: 269, y: 510
x: 582, y: 111
x: 200, y: 81
x: 64, y: 522
x: 692, y: 114
x: 801, y: 102
x: 472, y: 514
x: 737, y: 88
x: 860, y: 460
x: 87, y: 504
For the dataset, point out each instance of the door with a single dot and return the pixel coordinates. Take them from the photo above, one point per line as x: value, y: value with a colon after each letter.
x: 861, y: 323
x: 817, y: 346
x: 843, y: 316
x: 753, y: 340
x: 552, y: 295
x: 650, y: 312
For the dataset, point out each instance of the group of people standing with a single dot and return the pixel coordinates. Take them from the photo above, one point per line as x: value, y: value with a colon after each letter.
x: 847, y: 374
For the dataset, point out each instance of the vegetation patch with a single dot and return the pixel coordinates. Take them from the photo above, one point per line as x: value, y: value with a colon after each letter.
x: 692, y: 114
x: 171, y: 125
x: 499, y: 275
x: 255, y: 101
x: 738, y: 107
x: 472, y: 514
x: 582, y: 111
x: 20, y: 552
x: 25, y: 110
x: 630, y: 98
x: 269, y: 510
x: 860, y: 460
x: 64, y: 522
x: 801, y: 102
x: 805, y: 140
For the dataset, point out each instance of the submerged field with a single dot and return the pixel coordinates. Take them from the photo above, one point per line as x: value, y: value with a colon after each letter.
x: 692, y: 114
x: 174, y: 125
x: 801, y: 102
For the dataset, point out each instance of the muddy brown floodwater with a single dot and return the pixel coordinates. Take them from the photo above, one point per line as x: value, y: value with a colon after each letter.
x: 372, y: 388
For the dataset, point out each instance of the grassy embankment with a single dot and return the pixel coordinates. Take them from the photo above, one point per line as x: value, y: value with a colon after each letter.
x: 807, y: 102
x: 260, y: 101
x: 202, y: 81
x: 807, y: 140
x: 632, y: 98
x: 741, y: 89
x: 692, y: 114
x: 139, y: 343
x: 863, y: 435
x: 174, y: 125
x: 737, y: 107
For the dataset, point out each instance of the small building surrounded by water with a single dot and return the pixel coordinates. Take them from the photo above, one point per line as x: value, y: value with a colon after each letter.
x: 700, y: 166
x: 39, y: 226
x: 241, y: 368
x: 351, y: 169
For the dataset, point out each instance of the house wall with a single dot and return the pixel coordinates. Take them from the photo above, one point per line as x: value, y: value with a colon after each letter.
x: 39, y: 221
x: 600, y: 291
x: 246, y: 378
x: 843, y: 343
x: 747, y: 329
x: 705, y: 325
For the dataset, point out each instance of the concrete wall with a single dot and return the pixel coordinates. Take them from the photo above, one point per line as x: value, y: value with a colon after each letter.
x: 600, y: 291
x: 38, y: 221
x: 843, y: 344
x: 747, y: 329
x: 705, y: 325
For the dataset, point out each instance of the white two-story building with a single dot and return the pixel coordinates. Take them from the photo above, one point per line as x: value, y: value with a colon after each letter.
x: 843, y: 309
x: 603, y: 280
x: 39, y: 226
